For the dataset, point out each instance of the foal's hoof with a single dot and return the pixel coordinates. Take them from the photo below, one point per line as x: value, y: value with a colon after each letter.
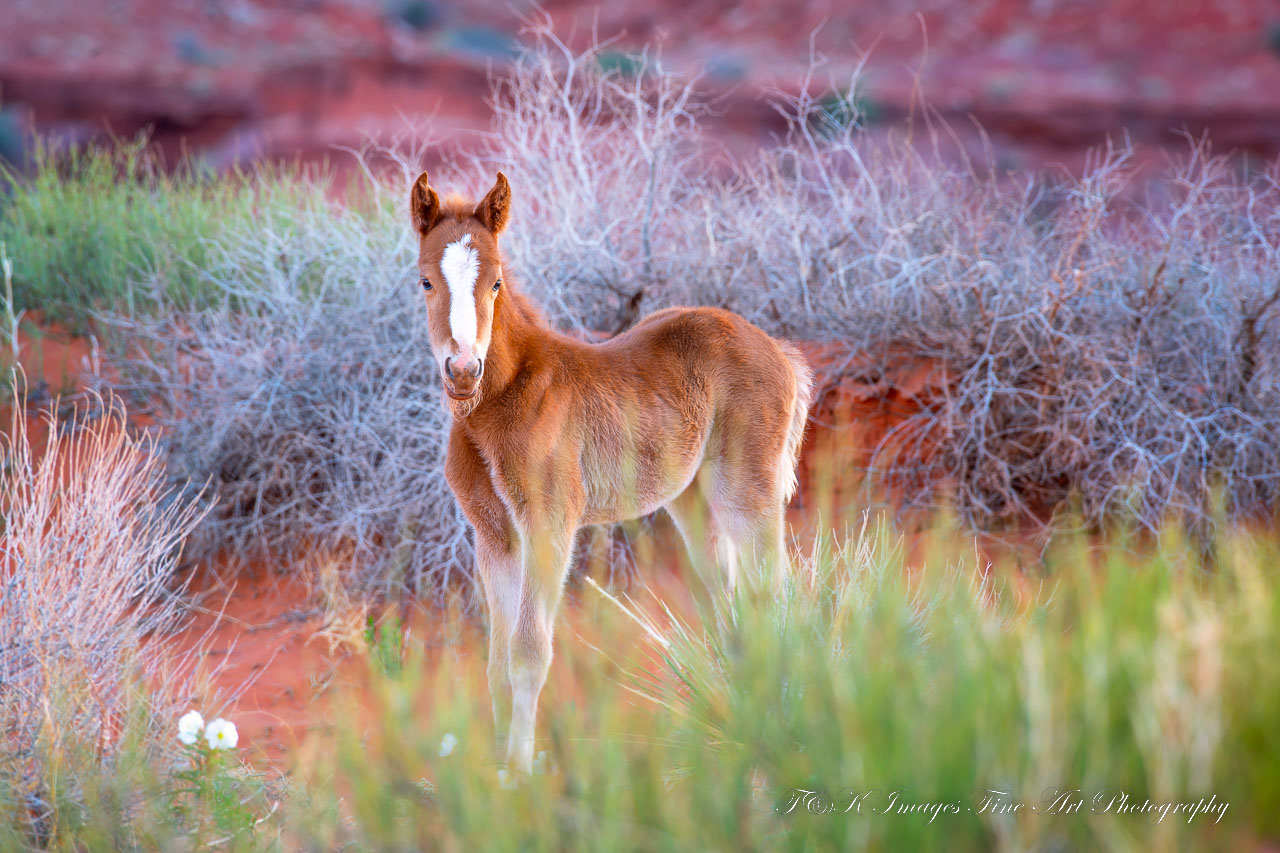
x: 510, y: 780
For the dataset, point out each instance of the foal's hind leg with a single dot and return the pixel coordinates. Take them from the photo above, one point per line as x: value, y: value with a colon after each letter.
x: 712, y: 550
x: 748, y: 499
x: 764, y: 548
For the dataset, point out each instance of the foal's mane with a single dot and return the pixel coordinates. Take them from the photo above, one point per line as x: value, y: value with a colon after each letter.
x: 458, y: 207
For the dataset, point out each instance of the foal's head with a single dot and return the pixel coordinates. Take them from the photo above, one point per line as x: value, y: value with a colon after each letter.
x: 460, y: 272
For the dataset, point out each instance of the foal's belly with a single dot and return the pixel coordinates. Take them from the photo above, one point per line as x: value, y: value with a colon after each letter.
x: 625, y: 482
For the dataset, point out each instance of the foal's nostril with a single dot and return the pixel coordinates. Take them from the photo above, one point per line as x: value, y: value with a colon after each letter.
x: 471, y: 369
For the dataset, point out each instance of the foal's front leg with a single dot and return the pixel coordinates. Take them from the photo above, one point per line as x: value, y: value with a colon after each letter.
x: 498, y: 565
x: 499, y: 570
x: 545, y: 552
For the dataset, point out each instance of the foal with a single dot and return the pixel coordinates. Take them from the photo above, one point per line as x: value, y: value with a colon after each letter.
x: 693, y: 410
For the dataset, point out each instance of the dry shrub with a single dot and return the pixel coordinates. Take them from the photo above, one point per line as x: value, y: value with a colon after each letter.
x: 311, y: 407
x: 1107, y: 351
x: 91, y: 540
x: 1101, y: 347
x: 611, y: 171
x: 343, y: 615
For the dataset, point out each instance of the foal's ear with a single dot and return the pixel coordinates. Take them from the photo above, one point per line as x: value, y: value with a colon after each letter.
x: 493, y: 209
x: 424, y: 205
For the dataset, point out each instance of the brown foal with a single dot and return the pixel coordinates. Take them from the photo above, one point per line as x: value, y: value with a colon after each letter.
x: 693, y: 410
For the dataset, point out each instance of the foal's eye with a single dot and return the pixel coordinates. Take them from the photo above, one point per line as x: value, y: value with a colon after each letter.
x: 426, y: 284
x: 496, y: 285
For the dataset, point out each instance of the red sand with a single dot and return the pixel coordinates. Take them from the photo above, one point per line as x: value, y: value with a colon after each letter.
x: 258, y: 640
x: 263, y: 641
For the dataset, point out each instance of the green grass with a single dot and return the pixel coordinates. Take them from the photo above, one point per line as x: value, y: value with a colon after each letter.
x: 141, y: 794
x: 1139, y: 674
x: 109, y: 227
x: 385, y: 645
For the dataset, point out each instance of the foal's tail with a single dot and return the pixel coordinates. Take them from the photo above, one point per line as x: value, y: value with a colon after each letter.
x: 799, y: 417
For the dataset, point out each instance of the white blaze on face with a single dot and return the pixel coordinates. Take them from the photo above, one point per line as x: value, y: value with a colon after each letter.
x: 461, y: 266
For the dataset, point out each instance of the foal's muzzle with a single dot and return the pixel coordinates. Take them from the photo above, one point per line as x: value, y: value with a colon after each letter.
x: 462, y: 376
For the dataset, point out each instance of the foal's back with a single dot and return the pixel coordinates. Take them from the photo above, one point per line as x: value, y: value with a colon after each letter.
x: 685, y: 390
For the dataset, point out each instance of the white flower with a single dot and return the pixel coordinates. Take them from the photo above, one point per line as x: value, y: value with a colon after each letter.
x: 506, y: 780
x: 190, y: 726
x: 541, y: 764
x: 222, y: 734
x: 447, y: 743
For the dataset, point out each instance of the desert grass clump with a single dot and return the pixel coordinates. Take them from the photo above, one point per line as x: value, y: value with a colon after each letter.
x: 890, y: 698
x: 91, y: 541
x: 111, y: 227
x: 883, y: 702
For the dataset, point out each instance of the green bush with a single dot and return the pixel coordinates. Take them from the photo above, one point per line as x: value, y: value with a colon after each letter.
x: 935, y: 677
x: 110, y: 228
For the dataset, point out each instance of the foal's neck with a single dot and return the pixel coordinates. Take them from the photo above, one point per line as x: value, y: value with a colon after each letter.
x: 518, y: 332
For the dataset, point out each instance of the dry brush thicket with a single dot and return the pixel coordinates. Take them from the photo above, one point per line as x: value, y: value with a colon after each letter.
x: 310, y: 407
x: 1101, y: 347
x: 91, y: 541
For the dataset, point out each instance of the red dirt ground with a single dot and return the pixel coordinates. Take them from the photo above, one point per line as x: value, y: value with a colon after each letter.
x: 266, y: 643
